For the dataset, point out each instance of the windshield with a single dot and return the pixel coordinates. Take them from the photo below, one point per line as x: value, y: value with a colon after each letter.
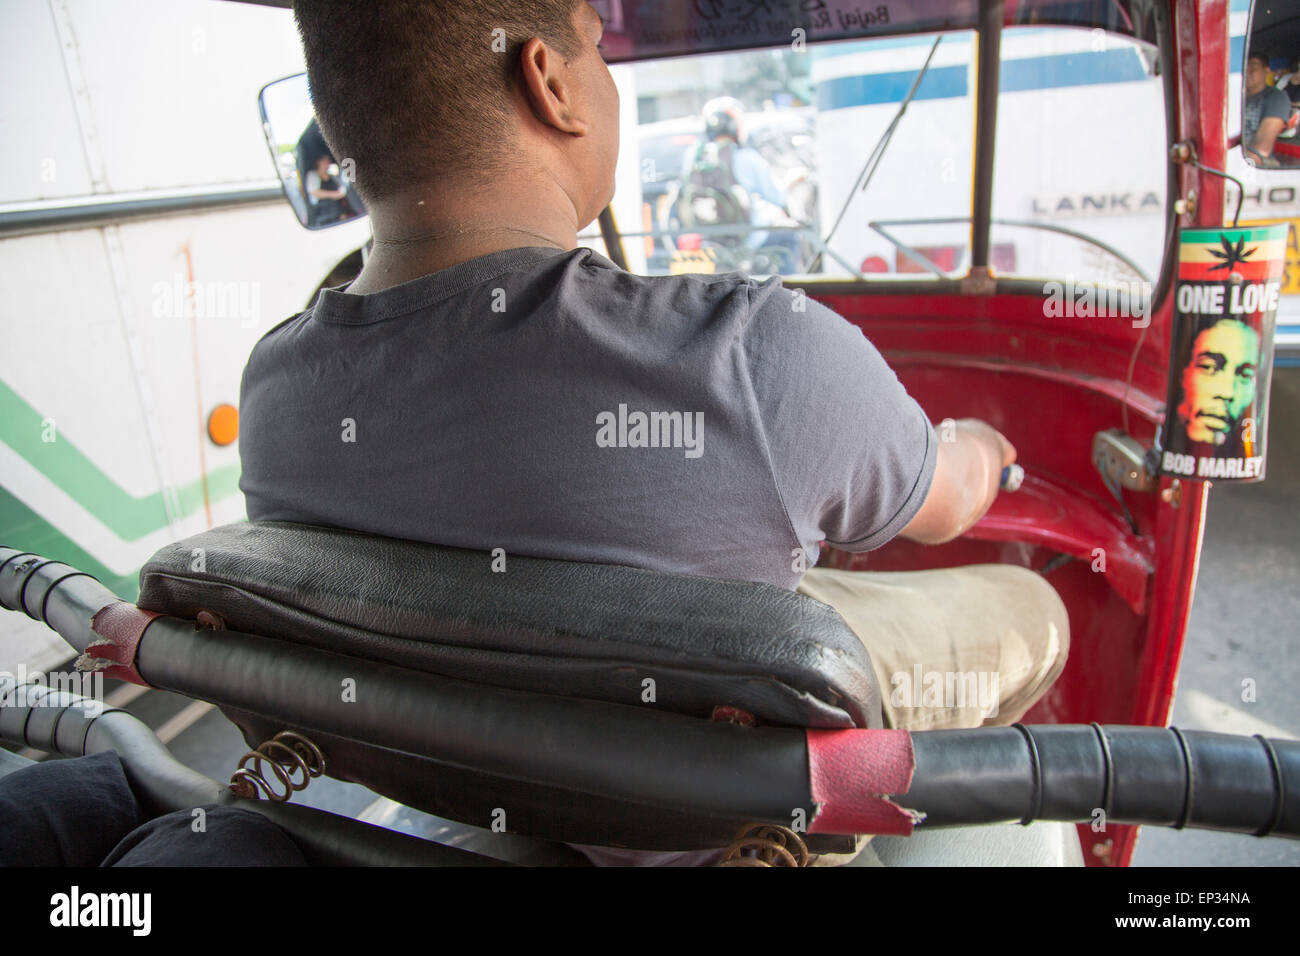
x: 1079, y: 187
x: 854, y: 160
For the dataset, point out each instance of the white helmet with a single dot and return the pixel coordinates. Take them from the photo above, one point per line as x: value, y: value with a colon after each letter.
x: 724, y: 116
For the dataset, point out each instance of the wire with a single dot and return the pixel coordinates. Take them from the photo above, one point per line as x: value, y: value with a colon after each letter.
x: 1241, y: 190
x: 1236, y: 217
x: 874, y: 158
x: 1128, y: 379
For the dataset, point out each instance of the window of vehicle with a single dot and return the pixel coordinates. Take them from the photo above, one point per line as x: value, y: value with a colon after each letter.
x: 1080, y: 176
x: 816, y: 154
x: 855, y: 160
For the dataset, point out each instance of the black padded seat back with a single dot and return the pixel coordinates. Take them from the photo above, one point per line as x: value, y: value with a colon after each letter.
x: 676, y: 642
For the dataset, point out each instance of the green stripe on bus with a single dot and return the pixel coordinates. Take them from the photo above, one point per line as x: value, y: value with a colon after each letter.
x: 20, y: 527
x: 67, y: 467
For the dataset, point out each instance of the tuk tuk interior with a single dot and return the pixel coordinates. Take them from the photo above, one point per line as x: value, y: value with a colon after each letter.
x: 968, y: 335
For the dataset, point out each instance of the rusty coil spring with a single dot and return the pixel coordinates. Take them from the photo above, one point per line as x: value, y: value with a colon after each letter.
x: 285, y: 753
x: 765, y: 844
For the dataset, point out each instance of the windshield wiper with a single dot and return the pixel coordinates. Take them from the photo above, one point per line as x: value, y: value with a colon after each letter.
x: 877, y: 154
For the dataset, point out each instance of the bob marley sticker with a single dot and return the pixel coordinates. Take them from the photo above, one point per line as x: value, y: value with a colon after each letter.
x: 1229, y: 282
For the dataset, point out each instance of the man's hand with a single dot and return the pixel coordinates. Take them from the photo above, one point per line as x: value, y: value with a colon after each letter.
x: 966, y: 479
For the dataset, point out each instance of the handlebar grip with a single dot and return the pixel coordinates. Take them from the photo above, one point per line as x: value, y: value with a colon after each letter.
x: 1157, y: 776
x: 53, y: 593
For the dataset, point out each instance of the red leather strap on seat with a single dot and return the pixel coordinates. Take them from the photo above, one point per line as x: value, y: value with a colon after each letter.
x: 852, y: 772
x: 120, y: 626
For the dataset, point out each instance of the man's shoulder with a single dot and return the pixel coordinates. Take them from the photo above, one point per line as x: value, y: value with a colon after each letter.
x: 797, y: 315
x: 274, y: 335
x: 692, y: 290
x: 749, y: 158
x: 767, y: 313
x: 595, y: 285
x: 1274, y: 99
x: 717, y: 284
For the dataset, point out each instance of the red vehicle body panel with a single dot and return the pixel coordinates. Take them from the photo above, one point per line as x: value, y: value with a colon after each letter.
x: 1050, y: 384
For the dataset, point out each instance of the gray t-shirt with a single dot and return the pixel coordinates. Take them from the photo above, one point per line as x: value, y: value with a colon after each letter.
x: 1268, y: 103
x: 551, y: 404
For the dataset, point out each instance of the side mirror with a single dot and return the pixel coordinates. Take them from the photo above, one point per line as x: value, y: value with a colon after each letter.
x: 1270, y: 85
x: 320, y: 190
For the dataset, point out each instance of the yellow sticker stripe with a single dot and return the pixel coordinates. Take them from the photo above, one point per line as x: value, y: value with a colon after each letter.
x: 1203, y: 252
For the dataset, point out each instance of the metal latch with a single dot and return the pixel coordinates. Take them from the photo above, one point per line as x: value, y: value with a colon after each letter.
x: 1122, y: 461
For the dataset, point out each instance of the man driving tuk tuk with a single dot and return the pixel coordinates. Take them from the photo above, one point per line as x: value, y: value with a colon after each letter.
x: 486, y: 383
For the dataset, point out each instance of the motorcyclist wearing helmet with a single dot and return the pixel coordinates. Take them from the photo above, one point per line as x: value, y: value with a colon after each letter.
x: 729, y: 182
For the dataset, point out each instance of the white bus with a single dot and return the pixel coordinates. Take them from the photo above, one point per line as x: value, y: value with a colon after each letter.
x: 145, y: 247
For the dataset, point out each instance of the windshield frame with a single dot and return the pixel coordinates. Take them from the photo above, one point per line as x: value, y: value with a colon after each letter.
x: 978, y: 281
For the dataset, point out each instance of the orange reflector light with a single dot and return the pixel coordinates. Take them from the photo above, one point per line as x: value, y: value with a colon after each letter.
x: 223, y: 424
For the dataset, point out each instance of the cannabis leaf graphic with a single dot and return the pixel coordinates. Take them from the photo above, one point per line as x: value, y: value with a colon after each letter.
x: 1231, y: 254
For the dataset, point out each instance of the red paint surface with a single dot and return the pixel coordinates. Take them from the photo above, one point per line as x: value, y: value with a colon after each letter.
x: 120, y: 626
x: 851, y: 772
x: 1050, y: 384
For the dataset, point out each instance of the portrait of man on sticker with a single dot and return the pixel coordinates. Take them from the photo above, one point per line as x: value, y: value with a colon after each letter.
x: 1214, y: 401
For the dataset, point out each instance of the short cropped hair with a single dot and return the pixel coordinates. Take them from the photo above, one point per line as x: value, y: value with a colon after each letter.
x: 412, y: 90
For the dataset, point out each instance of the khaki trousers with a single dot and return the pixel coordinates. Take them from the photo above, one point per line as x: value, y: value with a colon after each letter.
x: 956, y: 647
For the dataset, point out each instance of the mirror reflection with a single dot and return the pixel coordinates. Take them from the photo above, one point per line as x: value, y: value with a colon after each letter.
x: 317, y: 184
x: 1270, y: 112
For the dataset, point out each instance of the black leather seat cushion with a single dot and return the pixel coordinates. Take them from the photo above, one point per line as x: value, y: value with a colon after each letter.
x: 600, y: 632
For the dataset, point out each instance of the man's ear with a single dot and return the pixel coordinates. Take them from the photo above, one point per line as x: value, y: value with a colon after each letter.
x: 547, y: 86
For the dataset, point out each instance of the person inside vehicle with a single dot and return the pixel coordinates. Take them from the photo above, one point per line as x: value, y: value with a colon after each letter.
x: 1265, y: 113
x: 732, y: 184
x: 325, y: 192
x: 454, y: 392
x: 1288, y: 81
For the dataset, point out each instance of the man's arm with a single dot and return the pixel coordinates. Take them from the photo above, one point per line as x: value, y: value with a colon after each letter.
x: 855, y: 459
x: 1273, y: 118
x: 967, y: 473
x: 1269, y: 130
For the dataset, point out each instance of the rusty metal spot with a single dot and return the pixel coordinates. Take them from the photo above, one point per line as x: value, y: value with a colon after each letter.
x: 765, y: 844
x: 285, y: 754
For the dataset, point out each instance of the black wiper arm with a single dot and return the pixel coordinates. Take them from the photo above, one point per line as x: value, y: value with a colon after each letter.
x: 877, y: 154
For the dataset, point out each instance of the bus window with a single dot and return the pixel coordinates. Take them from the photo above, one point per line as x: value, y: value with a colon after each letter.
x: 1079, y: 187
